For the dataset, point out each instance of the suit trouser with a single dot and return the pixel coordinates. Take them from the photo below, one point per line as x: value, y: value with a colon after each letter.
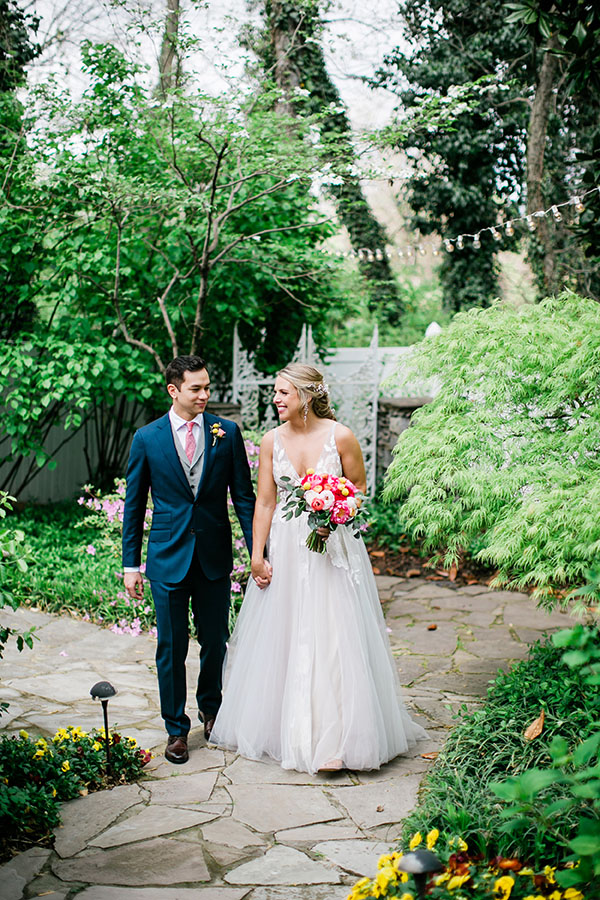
x: 210, y: 612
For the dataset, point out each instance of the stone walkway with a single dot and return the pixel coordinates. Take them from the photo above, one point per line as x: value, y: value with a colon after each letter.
x: 222, y: 827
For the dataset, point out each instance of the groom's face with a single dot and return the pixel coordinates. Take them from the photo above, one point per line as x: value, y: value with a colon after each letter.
x: 191, y: 397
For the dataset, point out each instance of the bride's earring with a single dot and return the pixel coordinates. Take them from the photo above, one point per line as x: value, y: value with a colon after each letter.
x: 305, y: 411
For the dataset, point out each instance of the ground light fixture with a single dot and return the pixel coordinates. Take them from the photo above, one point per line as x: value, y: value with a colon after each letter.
x: 420, y: 864
x: 103, y: 691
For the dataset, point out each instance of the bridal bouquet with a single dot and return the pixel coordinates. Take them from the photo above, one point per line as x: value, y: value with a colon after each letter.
x: 329, y: 500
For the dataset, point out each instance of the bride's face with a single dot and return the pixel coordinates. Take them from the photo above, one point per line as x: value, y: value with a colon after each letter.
x: 286, y: 400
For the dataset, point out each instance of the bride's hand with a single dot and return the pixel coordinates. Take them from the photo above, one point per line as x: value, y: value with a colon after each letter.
x: 262, y: 572
x: 324, y: 532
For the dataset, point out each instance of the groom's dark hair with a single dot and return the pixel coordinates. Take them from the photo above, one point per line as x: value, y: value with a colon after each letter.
x: 177, y: 368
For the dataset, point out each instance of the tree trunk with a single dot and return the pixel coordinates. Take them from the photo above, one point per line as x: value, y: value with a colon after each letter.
x: 296, y: 60
x: 536, y: 145
x: 168, y: 64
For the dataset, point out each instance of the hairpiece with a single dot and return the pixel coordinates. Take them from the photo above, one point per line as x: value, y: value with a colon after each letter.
x: 322, y: 389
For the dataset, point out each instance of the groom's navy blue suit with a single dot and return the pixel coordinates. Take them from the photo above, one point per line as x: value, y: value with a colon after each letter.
x: 189, y: 552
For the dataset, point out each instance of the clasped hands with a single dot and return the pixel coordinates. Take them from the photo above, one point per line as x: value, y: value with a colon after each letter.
x: 262, y: 570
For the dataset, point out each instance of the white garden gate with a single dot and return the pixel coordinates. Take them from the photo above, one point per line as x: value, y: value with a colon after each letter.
x: 353, y: 376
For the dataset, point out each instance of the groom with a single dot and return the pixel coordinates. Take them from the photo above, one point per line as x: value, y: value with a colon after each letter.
x: 187, y: 459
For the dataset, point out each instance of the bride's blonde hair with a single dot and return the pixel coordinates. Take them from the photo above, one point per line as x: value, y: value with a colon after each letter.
x: 309, y: 383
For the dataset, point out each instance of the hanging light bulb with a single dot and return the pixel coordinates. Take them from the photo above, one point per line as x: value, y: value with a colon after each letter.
x: 388, y: 253
x: 557, y: 214
x: 509, y: 229
x: 449, y: 245
x: 421, y: 250
x: 361, y: 255
x: 436, y: 251
x: 460, y: 242
x: 477, y: 241
x: 370, y: 256
x: 495, y: 234
x: 378, y: 254
x: 400, y: 254
x: 530, y: 223
x: 577, y: 203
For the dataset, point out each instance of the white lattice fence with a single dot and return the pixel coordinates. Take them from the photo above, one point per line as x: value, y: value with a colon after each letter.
x: 352, y: 374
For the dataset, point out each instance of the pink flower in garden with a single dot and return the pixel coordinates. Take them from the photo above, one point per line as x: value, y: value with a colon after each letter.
x: 91, y: 549
x: 81, y: 501
x: 143, y: 568
x: 236, y: 587
x: 63, y: 653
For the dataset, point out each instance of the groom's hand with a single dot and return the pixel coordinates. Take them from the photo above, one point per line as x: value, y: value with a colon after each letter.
x: 134, y: 584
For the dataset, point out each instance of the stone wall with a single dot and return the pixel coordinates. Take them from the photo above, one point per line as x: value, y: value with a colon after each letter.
x: 393, y: 416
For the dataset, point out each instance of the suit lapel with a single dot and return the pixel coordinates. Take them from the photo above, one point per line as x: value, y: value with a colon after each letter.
x: 208, y: 448
x: 165, y: 443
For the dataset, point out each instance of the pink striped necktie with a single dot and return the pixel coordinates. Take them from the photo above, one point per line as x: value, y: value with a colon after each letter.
x: 190, y: 441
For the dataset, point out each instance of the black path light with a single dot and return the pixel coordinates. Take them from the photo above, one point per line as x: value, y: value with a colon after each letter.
x: 102, y: 691
x: 420, y: 864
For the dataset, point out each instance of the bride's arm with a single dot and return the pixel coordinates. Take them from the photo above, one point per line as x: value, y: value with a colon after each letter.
x: 266, y: 500
x: 351, y: 457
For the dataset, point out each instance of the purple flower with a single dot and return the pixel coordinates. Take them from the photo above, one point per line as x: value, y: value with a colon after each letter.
x: 236, y: 587
x: 91, y: 549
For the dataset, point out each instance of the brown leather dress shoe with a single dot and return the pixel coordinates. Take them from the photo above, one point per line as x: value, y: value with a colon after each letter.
x: 177, y: 749
x: 208, y: 726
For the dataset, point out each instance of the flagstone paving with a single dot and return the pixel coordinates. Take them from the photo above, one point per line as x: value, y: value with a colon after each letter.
x: 226, y: 828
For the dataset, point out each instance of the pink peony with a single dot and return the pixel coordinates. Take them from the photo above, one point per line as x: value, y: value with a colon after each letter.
x: 340, y: 514
x: 317, y: 504
x: 327, y: 498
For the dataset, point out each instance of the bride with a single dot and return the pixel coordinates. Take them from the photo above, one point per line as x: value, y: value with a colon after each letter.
x: 310, y: 680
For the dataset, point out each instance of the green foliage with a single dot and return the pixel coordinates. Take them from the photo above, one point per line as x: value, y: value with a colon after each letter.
x: 507, y: 453
x: 569, y: 787
x: 12, y: 559
x: 489, y: 744
x: 72, y: 375
x: 36, y: 775
x: 476, y: 174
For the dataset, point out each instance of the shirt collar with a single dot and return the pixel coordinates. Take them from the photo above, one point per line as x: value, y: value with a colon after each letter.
x: 177, y: 422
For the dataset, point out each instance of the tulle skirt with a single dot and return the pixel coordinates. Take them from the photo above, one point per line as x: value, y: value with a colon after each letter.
x: 309, y: 674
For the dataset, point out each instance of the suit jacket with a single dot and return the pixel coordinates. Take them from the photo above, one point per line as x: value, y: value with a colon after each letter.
x: 182, y: 523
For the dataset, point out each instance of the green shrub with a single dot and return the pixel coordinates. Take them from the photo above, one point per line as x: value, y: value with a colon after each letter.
x: 36, y: 775
x: 507, y: 454
x: 489, y: 744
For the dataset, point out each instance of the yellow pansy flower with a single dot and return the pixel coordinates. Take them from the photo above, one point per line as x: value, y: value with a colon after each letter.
x: 96, y: 746
x: 431, y: 839
x: 60, y: 735
x: 503, y: 887
x: 445, y: 876
x: 360, y: 890
x: 66, y: 765
x: 385, y: 877
x: 549, y: 873
x: 407, y: 897
x: 457, y: 881
x: 415, y: 841
x: 534, y: 897
x: 525, y: 871
x: 573, y: 894
x: 24, y: 734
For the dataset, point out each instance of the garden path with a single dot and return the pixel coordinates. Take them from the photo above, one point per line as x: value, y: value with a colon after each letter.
x: 222, y: 827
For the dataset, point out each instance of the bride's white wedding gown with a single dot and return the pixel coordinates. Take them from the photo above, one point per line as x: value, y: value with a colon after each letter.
x: 309, y: 674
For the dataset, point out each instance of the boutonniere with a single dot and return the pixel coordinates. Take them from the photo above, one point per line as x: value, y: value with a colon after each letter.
x: 217, y: 432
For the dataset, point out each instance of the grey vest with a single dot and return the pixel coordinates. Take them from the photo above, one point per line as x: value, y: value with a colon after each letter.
x: 193, y: 471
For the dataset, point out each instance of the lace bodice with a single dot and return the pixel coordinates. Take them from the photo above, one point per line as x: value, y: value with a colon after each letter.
x: 328, y: 463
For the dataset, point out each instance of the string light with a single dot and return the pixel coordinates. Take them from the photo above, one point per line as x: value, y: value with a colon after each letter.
x: 451, y: 243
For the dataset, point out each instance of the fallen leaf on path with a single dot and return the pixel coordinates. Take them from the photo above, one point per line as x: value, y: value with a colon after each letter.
x: 535, y: 729
x: 429, y: 755
x: 380, y: 808
x: 378, y: 553
x: 376, y: 571
x: 412, y: 573
x: 432, y: 627
x: 453, y: 572
x: 433, y: 578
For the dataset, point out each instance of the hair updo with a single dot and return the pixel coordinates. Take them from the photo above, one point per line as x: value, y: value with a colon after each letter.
x: 309, y: 383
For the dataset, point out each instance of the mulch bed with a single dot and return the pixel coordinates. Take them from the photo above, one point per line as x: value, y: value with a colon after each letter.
x: 408, y: 562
